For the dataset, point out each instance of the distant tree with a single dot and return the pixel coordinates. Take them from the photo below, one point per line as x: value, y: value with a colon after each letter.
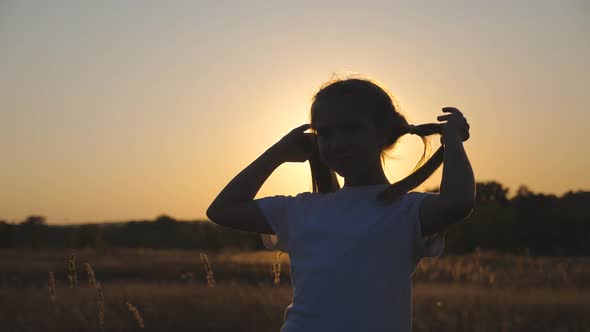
x: 490, y: 191
x: 99, y: 243
x: 540, y: 224
x: 165, y: 219
x: 575, y: 206
x: 33, y: 231
x: 6, y: 234
x: 34, y: 221
x: 523, y: 192
x: 538, y: 220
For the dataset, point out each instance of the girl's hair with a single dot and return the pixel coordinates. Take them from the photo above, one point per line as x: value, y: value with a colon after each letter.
x: 379, y: 106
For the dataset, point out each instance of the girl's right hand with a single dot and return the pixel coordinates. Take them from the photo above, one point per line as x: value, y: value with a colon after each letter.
x: 296, y: 146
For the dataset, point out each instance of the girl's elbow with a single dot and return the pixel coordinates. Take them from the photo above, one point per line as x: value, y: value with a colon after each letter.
x: 458, y: 205
x: 460, y: 209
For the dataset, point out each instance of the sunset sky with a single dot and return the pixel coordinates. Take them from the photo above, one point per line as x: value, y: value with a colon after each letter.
x: 115, y: 111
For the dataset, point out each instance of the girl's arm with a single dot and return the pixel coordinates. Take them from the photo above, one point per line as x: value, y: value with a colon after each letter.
x: 457, y: 191
x: 234, y: 206
x: 244, y: 186
x: 457, y: 187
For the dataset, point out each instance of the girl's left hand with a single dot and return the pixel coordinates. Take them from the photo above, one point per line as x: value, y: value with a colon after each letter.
x: 456, y: 125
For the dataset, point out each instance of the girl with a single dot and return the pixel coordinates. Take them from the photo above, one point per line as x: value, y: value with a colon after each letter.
x: 353, y: 249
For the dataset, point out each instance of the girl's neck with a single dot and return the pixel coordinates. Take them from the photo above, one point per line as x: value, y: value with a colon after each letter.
x: 372, y: 175
x: 365, y: 184
x: 378, y: 179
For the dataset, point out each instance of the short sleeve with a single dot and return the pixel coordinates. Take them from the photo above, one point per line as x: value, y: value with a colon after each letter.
x: 276, y: 210
x: 423, y: 246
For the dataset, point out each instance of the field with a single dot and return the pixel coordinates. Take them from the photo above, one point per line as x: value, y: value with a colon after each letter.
x: 165, y: 290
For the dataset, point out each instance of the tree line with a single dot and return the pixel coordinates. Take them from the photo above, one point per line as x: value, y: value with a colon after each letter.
x: 527, y: 223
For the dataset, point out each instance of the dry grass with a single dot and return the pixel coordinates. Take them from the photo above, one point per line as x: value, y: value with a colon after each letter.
x: 72, y: 271
x: 25, y: 268
x: 51, y: 288
x: 99, y: 305
x: 235, y: 307
x: 150, y: 289
x: 470, y: 308
x: 136, y: 315
x: 208, y: 270
x: 276, y: 268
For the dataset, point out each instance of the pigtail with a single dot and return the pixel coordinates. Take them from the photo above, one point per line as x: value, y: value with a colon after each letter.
x: 323, y: 178
x: 419, y: 174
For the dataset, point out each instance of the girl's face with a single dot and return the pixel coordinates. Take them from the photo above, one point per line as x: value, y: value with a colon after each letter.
x: 347, y: 140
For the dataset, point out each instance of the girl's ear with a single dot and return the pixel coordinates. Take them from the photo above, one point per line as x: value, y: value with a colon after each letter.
x: 310, y: 142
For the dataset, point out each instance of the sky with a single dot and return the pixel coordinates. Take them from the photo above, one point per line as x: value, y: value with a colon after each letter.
x: 116, y: 111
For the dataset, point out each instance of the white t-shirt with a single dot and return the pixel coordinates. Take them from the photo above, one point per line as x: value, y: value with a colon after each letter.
x: 351, y: 258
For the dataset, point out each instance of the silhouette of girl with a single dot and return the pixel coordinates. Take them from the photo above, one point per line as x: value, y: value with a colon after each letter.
x: 353, y: 249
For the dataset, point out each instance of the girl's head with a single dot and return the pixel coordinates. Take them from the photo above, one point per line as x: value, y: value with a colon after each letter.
x: 356, y: 123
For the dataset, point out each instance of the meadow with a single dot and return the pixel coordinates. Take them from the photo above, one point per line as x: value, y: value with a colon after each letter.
x: 177, y: 290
